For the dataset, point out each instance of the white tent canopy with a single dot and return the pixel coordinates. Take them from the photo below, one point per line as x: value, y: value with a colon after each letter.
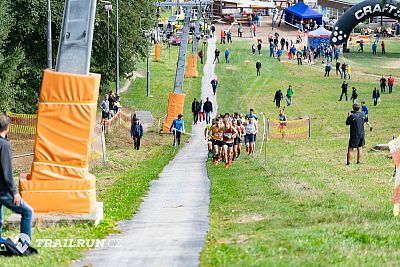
x: 321, y: 31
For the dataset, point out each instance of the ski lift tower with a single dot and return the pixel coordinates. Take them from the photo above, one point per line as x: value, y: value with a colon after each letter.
x: 177, y: 98
x: 60, y: 181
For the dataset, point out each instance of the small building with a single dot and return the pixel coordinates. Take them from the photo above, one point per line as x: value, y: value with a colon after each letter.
x: 235, y: 7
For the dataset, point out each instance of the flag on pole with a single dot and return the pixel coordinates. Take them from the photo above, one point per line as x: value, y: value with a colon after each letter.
x: 394, y: 147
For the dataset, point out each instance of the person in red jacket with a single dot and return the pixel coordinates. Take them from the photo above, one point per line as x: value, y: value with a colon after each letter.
x: 390, y: 83
x: 383, y: 48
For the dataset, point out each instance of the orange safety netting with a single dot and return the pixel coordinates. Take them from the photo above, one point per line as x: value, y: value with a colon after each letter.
x: 289, y: 129
x: 175, y: 107
x: 157, y: 48
x: 65, y: 123
x: 191, y: 70
x: 22, y: 126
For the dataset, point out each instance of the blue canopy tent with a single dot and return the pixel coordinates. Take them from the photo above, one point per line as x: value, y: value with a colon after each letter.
x: 299, y: 12
x: 319, y: 37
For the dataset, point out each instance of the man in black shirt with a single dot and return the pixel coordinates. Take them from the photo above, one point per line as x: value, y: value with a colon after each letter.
x: 208, y: 109
x: 356, y: 120
x: 258, y: 67
x: 9, y: 196
x: 344, y: 90
x: 195, y: 110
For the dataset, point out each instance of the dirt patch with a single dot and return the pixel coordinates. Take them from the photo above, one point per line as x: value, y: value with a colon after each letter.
x: 240, y: 239
x: 19, y: 148
x: 249, y: 218
x: 232, y: 67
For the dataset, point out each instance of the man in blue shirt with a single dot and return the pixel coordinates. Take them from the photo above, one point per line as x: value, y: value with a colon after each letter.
x: 227, y: 53
x: 177, y: 128
x: 364, y: 109
x: 374, y: 48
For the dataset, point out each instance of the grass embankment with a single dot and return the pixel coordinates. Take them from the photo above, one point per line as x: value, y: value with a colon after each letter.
x: 121, y: 184
x: 304, y: 206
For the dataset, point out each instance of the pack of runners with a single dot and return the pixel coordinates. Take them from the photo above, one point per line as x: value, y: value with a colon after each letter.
x: 226, y: 134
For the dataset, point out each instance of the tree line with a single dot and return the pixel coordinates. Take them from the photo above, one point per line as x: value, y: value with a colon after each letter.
x: 23, y: 37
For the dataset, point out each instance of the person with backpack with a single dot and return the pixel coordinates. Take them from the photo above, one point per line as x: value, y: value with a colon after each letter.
x: 136, y: 132
x: 9, y: 195
x: 355, y: 120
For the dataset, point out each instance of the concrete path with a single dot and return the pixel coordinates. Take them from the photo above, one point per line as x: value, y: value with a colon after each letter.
x: 172, y: 223
x: 132, y: 76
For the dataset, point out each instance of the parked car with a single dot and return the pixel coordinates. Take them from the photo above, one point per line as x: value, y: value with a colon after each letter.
x: 177, y: 38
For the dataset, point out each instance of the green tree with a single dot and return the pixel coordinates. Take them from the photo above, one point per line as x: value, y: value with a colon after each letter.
x: 8, y: 61
x: 29, y: 33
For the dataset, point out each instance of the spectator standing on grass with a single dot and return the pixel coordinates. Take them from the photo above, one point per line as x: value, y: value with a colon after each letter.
x: 195, y: 110
x: 354, y: 95
x: 374, y: 48
x: 382, y: 82
x: 361, y: 50
x: 343, y: 75
x: 271, y: 49
x: 279, y: 54
x: 383, y: 47
x: 259, y: 47
x: 253, y: 49
x: 376, y: 95
x: 390, y: 83
x: 364, y: 109
x: 105, y: 108
x: 227, y: 53
x: 258, y: 67
x: 278, y: 98
x: 283, y: 41
x: 216, y: 55
x: 356, y: 120
x: 111, y: 101
x: 9, y: 196
x: 222, y: 34
x: 289, y: 95
x: 208, y: 109
x: 328, y: 68
x: 136, y: 132
x: 338, y: 71
x: 345, y: 85
x: 201, y: 56
x: 299, y: 58
x: 214, y: 85
x: 240, y: 30
x: 177, y: 128
x: 229, y: 36
x: 348, y: 71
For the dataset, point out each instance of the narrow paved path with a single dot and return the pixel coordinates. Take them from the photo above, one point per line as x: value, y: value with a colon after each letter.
x: 172, y: 223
